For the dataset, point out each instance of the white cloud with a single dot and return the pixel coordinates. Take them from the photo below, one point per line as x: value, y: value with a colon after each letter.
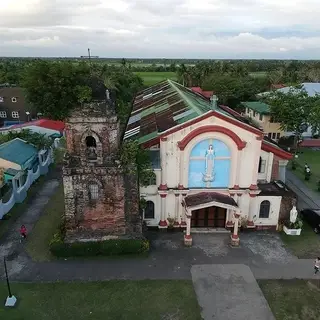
x: 163, y: 28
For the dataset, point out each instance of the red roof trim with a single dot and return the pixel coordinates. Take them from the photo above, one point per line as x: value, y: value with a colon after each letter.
x: 211, y: 128
x: 208, y: 115
x: 278, y: 152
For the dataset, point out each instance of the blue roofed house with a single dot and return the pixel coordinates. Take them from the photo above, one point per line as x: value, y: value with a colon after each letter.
x: 17, y: 155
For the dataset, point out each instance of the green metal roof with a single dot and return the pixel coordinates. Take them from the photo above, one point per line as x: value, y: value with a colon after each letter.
x: 17, y: 151
x: 257, y: 106
x: 164, y: 106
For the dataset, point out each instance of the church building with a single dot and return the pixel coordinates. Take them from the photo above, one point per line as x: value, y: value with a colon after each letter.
x: 213, y: 168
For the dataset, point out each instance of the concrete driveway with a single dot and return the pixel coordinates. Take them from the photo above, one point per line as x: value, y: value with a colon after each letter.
x: 259, y: 246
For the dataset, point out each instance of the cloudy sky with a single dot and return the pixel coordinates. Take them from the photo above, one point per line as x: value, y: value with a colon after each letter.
x: 161, y: 28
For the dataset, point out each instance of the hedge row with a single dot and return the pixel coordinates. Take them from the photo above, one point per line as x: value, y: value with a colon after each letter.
x: 98, y: 248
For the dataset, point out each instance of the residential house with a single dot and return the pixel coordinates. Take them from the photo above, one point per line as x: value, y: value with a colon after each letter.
x: 259, y: 112
x: 44, y: 126
x: 17, y: 155
x: 211, y: 167
x: 312, y: 89
x: 13, y: 106
x: 206, y: 94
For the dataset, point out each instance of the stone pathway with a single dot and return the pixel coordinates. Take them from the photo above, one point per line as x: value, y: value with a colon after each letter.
x: 229, y: 292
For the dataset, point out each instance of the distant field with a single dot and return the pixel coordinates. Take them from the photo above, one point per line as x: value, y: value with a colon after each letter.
x: 150, y: 78
x: 258, y: 74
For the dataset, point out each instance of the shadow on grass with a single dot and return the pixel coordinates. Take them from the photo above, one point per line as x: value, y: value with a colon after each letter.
x: 305, y: 246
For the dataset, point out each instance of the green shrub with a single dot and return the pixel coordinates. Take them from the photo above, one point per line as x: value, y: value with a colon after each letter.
x: 97, y: 248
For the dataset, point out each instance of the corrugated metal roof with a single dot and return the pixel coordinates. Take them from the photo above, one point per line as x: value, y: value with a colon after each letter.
x: 161, y: 107
x: 17, y: 151
x: 164, y: 106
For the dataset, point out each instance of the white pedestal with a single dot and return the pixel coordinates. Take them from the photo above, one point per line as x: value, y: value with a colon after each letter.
x: 11, y: 301
x: 291, y: 232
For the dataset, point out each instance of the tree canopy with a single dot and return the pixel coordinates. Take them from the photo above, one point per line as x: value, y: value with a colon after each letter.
x: 55, y: 88
x: 295, y: 110
x: 40, y: 141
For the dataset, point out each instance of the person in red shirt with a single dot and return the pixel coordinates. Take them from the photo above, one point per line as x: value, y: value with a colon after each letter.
x: 23, y: 231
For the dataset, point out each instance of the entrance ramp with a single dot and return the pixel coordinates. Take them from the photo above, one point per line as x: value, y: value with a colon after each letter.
x: 209, y: 230
x: 229, y: 291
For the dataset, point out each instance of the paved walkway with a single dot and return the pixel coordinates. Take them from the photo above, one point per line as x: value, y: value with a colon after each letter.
x: 229, y: 292
x: 261, y: 251
x: 306, y: 197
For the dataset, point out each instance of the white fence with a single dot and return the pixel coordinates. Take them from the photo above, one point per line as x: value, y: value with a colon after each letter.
x: 19, y: 191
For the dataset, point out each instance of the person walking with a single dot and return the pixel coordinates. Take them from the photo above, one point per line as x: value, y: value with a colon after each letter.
x: 23, y: 232
x: 317, y: 265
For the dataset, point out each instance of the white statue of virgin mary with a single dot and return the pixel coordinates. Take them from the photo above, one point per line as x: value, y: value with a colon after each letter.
x: 208, y: 176
x: 293, y: 214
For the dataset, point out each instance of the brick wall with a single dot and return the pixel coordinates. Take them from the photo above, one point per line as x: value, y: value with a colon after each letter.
x: 116, y: 211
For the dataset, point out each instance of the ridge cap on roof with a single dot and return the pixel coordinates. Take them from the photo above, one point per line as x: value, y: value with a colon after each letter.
x: 184, y: 97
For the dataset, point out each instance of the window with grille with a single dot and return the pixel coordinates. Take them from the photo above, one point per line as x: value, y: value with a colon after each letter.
x: 15, y: 114
x: 278, y: 135
x: 260, y: 117
x: 94, y: 191
x: 149, y: 210
x: 264, y: 209
x: 3, y: 114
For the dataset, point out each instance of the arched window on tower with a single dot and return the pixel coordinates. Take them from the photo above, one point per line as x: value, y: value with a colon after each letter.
x: 94, y: 191
x: 91, y: 148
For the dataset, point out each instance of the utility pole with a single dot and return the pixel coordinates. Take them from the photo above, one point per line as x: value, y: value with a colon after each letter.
x: 11, y: 300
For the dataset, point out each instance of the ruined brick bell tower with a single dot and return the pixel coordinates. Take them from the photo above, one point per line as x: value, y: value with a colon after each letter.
x: 101, y: 202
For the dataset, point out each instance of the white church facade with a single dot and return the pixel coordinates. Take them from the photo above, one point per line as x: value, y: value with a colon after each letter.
x: 212, y: 168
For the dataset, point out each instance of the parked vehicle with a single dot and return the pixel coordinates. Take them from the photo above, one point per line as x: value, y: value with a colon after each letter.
x: 312, y: 217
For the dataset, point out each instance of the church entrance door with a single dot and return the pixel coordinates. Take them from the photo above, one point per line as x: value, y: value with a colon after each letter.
x: 211, y: 217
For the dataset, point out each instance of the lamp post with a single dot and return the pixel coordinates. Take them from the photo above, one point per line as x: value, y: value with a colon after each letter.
x: 28, y: 116
x: 11, y: 300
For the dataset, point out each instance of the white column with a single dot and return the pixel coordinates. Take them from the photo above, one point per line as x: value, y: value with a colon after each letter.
x: 187, y: 236
x: 181, y: 171
x: 238, y: 170
x: 163, y: 220
x: 235, y: 237
x: 282, y: 170
x: 163, y: 154
x: 252, y: 210
x: 180, y: 212
x: 255, y: 169
x: 177, y: 210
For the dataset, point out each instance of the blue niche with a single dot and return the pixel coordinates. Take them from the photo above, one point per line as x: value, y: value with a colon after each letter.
x: 209, y: 165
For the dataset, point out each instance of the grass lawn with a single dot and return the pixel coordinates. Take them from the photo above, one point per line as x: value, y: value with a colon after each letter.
x: 18, y: 208
x: 130, y: 300
x: 305, y: 246
x: 258, y: 74
x: 292, y: 299
x: 38, y: 241
x: 312, y: 158
x: 151, y: 78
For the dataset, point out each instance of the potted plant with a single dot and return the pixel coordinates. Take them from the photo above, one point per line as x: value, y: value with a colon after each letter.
x: 170, y: 224
x: 243, y: 223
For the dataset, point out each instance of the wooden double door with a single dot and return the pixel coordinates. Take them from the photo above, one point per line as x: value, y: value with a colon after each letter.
x: 211, y: 217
